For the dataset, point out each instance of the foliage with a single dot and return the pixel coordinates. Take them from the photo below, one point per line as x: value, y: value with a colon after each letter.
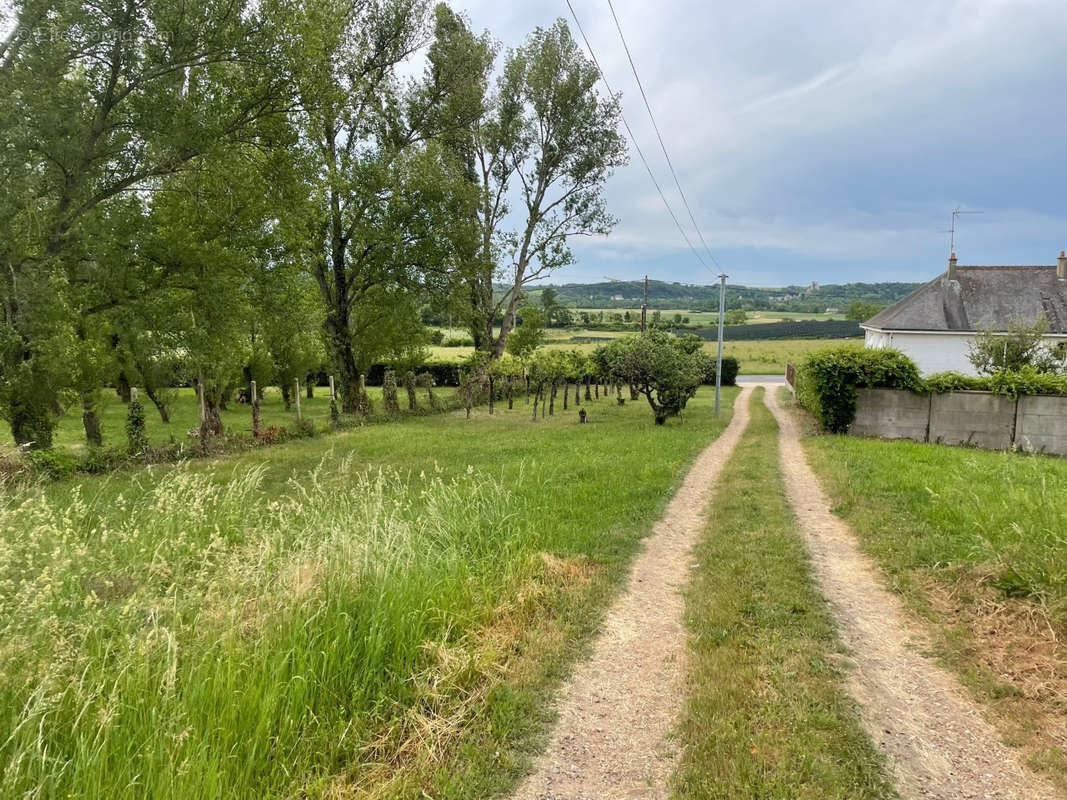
x: 136, y: 438
x: 1014, y: 383
x: 529, y: 335
x: 1023, y: 345
x: 661, y: 368
x: 730, y: 369
x: 828, y: 379
x: 861, y: 311
x: 943, y: 382
x: 544, y: 137
x: 735, y: 316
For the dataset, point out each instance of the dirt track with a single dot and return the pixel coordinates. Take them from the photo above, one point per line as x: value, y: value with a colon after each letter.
x: 618, y: 708
x: 937, y: 743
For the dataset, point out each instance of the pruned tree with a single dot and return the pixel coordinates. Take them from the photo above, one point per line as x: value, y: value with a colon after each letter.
x: 661, y: 368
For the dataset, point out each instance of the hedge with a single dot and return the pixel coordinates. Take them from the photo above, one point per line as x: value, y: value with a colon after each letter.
x: 1012, y: 383
x: 730, y: 368
x: 827, y: 381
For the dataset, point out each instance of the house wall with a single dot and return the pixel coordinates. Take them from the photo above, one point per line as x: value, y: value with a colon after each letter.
x: 935, y: 352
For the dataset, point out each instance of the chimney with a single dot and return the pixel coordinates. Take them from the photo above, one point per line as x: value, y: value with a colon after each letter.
x: 1061, y: 266
x: 952, y: 267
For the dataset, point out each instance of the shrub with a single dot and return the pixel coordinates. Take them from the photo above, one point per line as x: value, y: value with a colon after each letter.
x: 458, y: 341
x: 1025, y: 380
x: 136, y: 438
x: 828, y: 379
x: 54, y: 464
x: 665, y: 369
x: 943, y: 382
x: 730, y: 368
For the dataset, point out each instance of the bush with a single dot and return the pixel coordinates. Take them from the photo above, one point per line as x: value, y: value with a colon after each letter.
x: 828, y: 379
x: 458, y: 341
x: 54, y: 464
x: 730, y: 367
x: 1026, y: 380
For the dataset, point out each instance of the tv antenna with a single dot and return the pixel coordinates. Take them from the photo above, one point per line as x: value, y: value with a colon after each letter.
x: 957, y: 212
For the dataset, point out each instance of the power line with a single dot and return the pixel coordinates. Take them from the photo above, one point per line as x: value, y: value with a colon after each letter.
x: 655, y: 127
x: 637, y: 146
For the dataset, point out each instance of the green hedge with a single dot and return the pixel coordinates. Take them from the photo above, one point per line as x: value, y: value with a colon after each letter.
x: 730, y: 368
x: 827, y: 381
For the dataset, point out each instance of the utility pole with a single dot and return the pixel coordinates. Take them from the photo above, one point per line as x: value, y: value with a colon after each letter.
x: 644, y: 306
x: 718, y: 358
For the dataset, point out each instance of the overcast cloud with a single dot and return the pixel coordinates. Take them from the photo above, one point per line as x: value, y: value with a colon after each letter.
x: 829, y: 140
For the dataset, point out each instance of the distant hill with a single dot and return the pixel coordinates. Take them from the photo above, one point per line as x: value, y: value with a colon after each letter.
x: 695, y: 297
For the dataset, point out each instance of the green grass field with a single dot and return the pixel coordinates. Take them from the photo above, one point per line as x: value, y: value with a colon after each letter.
x: 757, y: 357
x: 977, y: 542
x: 377, y: 613
x: 237, y: 419
x: 767, y: 714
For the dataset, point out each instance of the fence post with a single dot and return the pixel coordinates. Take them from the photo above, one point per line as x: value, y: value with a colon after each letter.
x: 255, y: 410
x: 296, y: 393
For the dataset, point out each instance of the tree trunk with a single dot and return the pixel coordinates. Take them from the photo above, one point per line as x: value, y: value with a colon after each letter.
x: 287, y: 395
x: 596, y: 387
x: 588, y: 395
x: 566, y: 393
x: 311, y: 388
x: 511, y: 394
x: 122, y: 387
x: 552, y: 400
x: 161, y: 407
x: 536, y: 395
x: 633, y: 392
x: 527, y: 379
x: 91, y: 421
x: 211, y: 425
x: 492, y: 392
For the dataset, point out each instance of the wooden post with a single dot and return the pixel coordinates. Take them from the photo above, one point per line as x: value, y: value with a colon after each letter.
x: 133, y: 394
x: 296, y: 393
x: 203, y: 407
x: 255, y: 410
x: 333, y: 391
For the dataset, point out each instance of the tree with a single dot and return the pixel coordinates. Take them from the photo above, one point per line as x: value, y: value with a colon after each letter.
x: 546, y: 140
x: 735, y: 316
x: 381, y: 209
x: 116, y: 98
x: 659, y: 366
x: 1022, y: 345
x: 860, y: 311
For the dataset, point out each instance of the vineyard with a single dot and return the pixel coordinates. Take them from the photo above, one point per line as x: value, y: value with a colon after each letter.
x: 793, y: 329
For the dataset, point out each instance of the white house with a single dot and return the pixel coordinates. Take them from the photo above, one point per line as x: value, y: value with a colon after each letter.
x: 936, y: 324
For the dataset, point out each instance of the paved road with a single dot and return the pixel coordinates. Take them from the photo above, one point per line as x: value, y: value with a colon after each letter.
x: 764, y: 379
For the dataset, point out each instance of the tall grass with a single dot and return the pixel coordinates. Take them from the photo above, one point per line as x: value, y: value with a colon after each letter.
x: 214, y: 640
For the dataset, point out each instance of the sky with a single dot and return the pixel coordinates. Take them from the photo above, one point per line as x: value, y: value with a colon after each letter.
x: 827, y: 140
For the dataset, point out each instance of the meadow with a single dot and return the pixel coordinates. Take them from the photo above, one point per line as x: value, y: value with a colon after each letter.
x: 757, y: 357
x: 382, y: 612
x: 237, y: 418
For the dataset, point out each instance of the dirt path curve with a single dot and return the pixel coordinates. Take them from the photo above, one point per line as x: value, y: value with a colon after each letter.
x: 936, y: 740
x: 610, y: 741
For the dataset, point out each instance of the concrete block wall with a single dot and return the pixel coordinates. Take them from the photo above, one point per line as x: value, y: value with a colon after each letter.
x: 1041, y: 425
x: 892, y: 414
x: 980, y: 419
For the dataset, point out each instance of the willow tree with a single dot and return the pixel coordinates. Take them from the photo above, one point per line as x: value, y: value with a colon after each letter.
x: 540, y: 151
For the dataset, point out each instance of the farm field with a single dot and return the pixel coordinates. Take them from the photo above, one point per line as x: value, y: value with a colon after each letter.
x: 757, y: 357
x: 974, y: 541
x: 237, y: 418
x: 378, y: 613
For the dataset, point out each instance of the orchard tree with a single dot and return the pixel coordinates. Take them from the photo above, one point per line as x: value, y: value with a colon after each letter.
x: 659, y: 366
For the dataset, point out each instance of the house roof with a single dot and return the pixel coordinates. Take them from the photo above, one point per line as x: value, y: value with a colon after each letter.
x: 980, y: 298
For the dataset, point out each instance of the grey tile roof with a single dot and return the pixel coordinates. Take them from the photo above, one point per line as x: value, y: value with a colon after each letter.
x: 980, y: 298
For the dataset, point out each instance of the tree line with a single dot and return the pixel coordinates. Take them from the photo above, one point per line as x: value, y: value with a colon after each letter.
x: 214, y: 193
